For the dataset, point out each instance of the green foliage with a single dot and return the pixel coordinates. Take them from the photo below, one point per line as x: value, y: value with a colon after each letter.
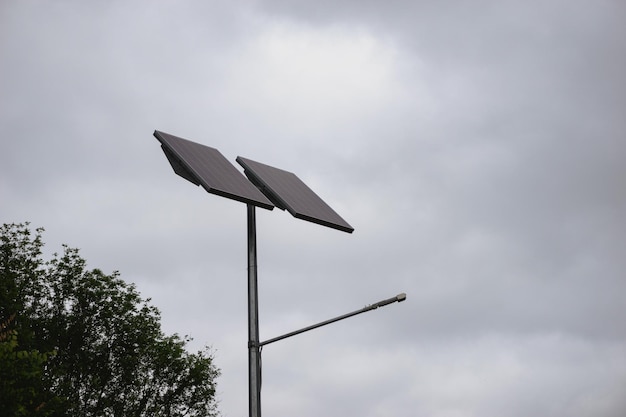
x: 106, y: 353
x: 20, y: 375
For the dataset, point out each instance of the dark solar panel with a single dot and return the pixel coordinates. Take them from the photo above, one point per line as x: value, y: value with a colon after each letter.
x: 287, y: 191
x: 206, y: 166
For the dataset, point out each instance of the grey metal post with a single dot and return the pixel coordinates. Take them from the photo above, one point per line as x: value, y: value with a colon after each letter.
x: 254, y: 360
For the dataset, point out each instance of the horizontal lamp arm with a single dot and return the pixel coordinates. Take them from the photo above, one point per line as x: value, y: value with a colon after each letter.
x: 398, y: 298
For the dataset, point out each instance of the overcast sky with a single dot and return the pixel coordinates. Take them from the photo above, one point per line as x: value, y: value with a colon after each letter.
x: 477, y: 148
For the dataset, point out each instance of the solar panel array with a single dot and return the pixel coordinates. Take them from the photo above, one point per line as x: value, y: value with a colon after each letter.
x: 288, y: 192
x: 265, y: 187
x: 206, y: 166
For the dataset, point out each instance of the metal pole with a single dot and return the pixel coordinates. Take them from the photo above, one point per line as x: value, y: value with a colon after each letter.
x: 254, y: 359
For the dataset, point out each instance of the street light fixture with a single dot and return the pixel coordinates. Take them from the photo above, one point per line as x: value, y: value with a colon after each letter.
x: 398, y: 298
x: 266, y: 187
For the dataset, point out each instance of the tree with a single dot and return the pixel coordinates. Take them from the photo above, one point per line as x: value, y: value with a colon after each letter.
x: 20, y: 375
x: 106, y: 354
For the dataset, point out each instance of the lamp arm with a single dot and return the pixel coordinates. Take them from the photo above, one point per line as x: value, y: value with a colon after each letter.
x: 398, y: 298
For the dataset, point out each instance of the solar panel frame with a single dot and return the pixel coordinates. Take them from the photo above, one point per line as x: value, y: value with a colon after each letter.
x: 286, y: 191
x: 178, y: 167
x: 206, y: 166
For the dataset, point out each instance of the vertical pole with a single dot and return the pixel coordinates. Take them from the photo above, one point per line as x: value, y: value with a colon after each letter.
x: 254, y: 365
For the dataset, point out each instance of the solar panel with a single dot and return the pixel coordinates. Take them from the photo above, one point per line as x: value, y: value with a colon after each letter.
x: 206, y: 166
x: 287, y: 191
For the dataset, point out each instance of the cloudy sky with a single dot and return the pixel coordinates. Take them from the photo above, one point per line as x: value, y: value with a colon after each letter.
x: 477, y: 148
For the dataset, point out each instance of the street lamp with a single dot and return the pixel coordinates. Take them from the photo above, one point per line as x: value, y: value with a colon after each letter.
x: 265, y: 187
